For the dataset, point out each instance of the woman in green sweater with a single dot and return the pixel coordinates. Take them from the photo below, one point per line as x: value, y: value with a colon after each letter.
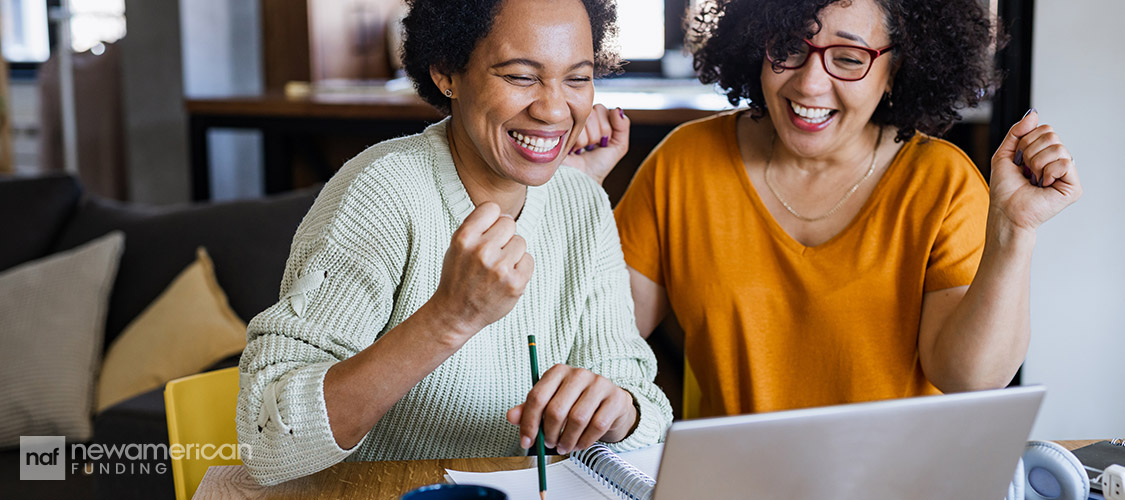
x: 411, y: 288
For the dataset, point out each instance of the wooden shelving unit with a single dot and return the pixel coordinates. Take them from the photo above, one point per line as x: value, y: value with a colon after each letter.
x: 316, y: 40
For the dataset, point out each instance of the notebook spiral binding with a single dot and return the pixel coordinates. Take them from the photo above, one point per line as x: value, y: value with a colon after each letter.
x: 615, y: 473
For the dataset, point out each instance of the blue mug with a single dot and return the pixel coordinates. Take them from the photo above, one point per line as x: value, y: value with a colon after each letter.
x: 454, y: 492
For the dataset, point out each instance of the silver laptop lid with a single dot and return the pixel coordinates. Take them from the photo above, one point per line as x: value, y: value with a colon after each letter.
x: 959, y: 446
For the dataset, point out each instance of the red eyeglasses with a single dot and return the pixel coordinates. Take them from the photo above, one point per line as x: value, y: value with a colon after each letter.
x: 843, y: 62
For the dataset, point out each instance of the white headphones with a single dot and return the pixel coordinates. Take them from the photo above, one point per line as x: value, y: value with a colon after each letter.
x: 1049, y: 471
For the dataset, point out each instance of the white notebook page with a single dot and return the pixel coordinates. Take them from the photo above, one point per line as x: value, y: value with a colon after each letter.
x: 565, y: 479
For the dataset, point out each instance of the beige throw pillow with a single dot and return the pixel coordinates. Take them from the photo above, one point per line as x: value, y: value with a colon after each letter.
x: 188, y: 328
x: 52, y: 321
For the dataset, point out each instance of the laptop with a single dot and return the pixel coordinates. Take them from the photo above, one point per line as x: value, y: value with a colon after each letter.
x: 958, y: 446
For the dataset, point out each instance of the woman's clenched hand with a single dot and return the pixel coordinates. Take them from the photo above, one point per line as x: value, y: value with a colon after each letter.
x: 483, y: 275
x: 601, y: 143
x: 1033, y: 175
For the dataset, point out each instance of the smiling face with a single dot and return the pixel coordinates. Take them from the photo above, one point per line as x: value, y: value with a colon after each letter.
x: 525, y: 94
x: 814, y: 114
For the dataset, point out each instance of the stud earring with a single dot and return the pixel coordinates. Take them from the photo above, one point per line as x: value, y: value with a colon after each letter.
x: 448, y: 93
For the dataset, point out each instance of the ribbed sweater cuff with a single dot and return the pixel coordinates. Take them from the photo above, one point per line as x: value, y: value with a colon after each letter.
x: 310, y: 446
x: 649, y: 431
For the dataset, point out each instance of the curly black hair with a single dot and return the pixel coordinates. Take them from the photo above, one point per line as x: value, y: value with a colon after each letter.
x: 943, y: 50
x: 443, y: 34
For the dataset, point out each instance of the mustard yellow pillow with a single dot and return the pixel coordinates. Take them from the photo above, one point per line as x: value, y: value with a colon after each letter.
x: 188, y: 328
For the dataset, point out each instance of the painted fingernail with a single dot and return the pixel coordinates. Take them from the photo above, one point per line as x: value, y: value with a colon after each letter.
x: 1028, y: 113
x: 579, y: 151
x: 1019, y: 157
x: 591, y: 147
x: 621, y: 112
x: 605, y: 141
x: 1026, y: 171
x: 1034, y: 180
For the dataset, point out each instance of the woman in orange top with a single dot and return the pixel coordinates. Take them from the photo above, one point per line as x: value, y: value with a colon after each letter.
x: 820, y: 247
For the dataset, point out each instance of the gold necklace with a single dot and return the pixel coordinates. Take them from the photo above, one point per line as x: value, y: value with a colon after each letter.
x: 870, y: 170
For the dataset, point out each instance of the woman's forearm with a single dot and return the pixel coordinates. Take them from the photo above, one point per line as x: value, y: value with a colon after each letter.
x: 360, y: 390
x: 984, y: 340
x: 650, y: 302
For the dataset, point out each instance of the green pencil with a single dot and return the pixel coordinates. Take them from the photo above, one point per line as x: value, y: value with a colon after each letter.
x: 542, y: 459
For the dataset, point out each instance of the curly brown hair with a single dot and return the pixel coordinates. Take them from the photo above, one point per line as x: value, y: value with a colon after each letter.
x: 943, y: 50
x: 443, y: 34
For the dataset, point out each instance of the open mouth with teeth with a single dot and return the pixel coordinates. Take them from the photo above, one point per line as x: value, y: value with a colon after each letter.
x: 814, y: 118
x: 537, y: 148
x: 536, y: 144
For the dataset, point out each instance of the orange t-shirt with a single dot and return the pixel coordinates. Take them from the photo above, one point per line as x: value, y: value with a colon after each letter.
x: 771, y: 324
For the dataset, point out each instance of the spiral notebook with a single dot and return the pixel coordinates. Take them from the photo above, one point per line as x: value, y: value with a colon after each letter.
x: 1096, y: 457
x: 595, y: 473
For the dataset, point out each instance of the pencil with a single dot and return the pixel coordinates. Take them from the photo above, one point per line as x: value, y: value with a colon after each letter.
x: 542, y: 460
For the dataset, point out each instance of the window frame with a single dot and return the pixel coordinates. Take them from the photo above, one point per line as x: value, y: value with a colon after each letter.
x: 674, y: 32
x: 29, y: 70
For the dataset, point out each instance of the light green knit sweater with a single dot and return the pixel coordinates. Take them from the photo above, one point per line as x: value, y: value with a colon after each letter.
x: 369, y: 254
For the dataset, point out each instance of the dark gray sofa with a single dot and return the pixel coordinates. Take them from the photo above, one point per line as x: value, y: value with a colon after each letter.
x: 248, y: 241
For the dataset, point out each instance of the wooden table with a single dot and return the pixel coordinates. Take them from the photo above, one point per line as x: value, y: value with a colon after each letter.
x: 380, y: 110
x: 372, y: 480
x: 359, y: 480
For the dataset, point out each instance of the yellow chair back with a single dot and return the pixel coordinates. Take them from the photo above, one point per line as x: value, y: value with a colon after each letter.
x: 201, y: 426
